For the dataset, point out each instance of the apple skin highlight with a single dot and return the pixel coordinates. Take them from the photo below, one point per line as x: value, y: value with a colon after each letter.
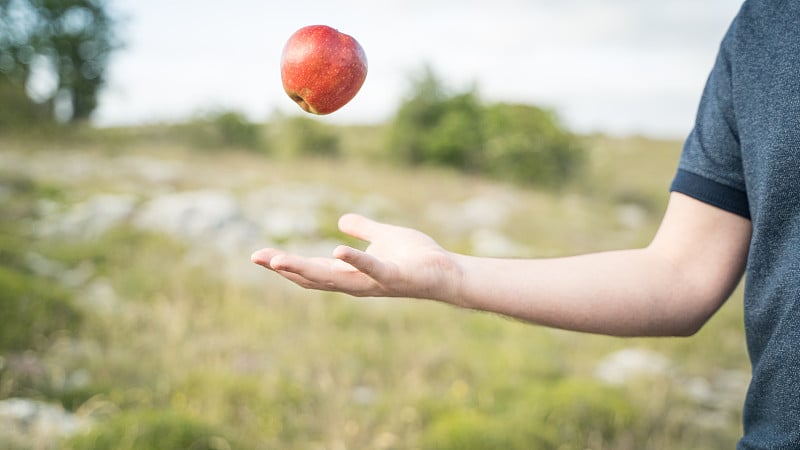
x: 322, y: 69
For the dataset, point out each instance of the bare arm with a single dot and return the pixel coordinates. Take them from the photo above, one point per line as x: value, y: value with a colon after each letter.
x: 670, y: 287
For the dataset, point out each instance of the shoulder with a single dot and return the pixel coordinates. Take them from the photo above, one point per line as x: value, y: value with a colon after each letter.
x: 764, y: 18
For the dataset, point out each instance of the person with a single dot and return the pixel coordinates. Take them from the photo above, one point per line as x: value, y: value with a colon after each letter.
x: 733, y: 208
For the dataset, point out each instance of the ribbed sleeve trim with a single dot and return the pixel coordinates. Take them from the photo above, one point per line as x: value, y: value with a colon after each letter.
x: 709, y: 191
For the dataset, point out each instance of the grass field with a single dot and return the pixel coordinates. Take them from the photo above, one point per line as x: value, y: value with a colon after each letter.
x: 179, y: 342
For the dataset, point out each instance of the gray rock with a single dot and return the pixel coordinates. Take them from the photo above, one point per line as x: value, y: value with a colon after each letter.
x: 209, y: 218
x: 489, y: 242
x: 89, y: 218
x: 631, y: 216
x: 488, y: 211
x: 624, y: 365
x: 37, y: 423
x: 193, y: 214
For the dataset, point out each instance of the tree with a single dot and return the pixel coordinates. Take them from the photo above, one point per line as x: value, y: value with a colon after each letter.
x: 66, y: 41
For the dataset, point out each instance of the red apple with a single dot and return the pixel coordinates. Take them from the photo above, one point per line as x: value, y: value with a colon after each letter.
x: 322, y: 69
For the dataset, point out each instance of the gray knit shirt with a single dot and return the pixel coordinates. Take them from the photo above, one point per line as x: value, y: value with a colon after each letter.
x: 743, y: 155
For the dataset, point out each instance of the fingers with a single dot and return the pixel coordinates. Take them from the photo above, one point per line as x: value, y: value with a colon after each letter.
x: 287, y: 262
x: 350, y: 270
x: 265, y: 256
x: 329, y: 274
x: 355, y: 225
x: 316, y: 273
x: 281, y: 261
x: 346, y: 262
x: 361, y: 261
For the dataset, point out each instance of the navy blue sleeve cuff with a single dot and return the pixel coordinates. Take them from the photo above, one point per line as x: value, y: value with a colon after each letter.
x: 711, y: 192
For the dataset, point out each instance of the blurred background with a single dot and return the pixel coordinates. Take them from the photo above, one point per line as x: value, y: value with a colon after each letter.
x: 616, y: 66
x: 147, y: 148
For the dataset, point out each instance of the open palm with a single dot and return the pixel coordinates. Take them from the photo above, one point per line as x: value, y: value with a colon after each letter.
x: 399, y: 262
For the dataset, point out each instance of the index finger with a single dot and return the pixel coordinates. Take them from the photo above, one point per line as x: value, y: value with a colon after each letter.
x: 264, y: 256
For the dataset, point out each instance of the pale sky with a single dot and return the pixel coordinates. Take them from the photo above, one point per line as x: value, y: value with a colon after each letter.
x: 614, y: 66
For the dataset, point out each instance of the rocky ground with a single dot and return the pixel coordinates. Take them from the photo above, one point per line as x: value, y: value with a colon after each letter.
x: 224, y: 215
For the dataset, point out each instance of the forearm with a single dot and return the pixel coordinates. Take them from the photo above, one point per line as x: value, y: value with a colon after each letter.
x: 626, y: 293
x: 671, y: 287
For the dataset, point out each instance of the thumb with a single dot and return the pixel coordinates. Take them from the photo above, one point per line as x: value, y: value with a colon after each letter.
x: 358, y: 226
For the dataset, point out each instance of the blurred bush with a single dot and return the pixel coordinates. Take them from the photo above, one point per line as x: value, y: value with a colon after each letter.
x: 152, y: 430
x: 219, y: 130
x: 432, y: 127
x: 527, y: 144
x: 277, y: 412
x: 520, y: 143
x: 32, y: 308
x: 563, y: 413
x: 236, y: 130
x: 125, y: 255
x: 303, y: 136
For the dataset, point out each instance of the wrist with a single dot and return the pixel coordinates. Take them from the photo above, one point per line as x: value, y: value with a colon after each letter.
x: 453, y: 289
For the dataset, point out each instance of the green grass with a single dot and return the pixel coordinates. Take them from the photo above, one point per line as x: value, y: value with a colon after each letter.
x: 215, y: 362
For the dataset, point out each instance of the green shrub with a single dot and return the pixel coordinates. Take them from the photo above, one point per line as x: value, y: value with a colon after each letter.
x: 560, y: 413
x: 151, y: 430
x: 126, y: 255
x: 32, y: 309
x: 518, y: 143
x: 279, y: 411
x: 236, y: 130
x: 471, y: 430
x: 456, y: 138
x: 220, y: 130
x: 73, y: 397
x: 527, y: 144
x: 434, y: 127
x: 303, y: 136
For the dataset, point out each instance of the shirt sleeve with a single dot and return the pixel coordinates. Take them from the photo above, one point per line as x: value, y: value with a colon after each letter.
x: 710, y: 168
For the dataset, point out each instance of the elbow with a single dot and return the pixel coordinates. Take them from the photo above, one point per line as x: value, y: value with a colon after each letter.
x: 683, y: 312
x: 690, y: 297
x: 689, y: 329
x: 667, y: 322
x: 674, y: 327
x: 689, y: 319
x: 702, y: 299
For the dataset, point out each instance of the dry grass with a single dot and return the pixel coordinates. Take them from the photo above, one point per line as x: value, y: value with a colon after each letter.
x: 273, y: 366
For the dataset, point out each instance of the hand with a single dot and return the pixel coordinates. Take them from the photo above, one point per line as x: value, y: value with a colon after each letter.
x: 399, y: 262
